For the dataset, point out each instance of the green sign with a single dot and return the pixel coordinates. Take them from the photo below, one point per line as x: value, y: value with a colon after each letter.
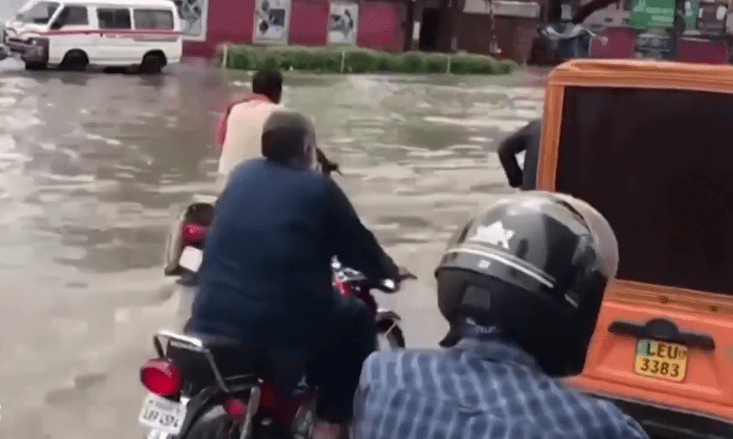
x: 691, y: 8
x: 646, y: 14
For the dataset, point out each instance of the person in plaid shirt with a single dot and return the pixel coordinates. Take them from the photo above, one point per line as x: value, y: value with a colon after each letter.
x: 521, y: 286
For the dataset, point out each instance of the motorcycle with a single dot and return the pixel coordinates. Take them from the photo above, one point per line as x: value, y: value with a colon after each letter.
x: 219, y: 388
x: 185, y: 244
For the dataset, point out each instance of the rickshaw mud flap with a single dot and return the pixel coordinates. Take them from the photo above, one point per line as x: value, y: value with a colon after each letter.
x: 662, y: 329
x: 672, y: 423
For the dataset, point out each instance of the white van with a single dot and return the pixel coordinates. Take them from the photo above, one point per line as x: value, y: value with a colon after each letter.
x: 72, y: 34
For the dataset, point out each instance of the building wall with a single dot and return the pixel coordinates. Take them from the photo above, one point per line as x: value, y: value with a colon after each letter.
x: 228, y: 21
x: 309, y: 23
x: 514, y: 35
x: 232, y: 21
x: 380, y: 25
x: 8, y: 9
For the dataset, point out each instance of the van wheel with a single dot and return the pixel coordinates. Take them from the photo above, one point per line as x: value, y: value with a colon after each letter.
x: 75, y: 60
x: 153, y: 63
x: 35, y: 66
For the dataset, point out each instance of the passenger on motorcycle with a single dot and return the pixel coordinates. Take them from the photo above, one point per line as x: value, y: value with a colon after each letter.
x: 239, y: 134
x: 266, y: 271
x: 527, y: 140
x: 521, y: 286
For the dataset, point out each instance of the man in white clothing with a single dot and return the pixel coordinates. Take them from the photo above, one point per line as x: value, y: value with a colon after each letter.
x: 240, y: 131
x: 239, y: 134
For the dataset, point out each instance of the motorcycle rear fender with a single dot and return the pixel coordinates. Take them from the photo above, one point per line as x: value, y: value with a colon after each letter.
x: 385, y: 319
x: 205, y: 401
x: 197, y: 407
x: 173, y: 244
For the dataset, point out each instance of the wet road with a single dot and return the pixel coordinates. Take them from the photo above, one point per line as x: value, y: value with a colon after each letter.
x: 93, y: 167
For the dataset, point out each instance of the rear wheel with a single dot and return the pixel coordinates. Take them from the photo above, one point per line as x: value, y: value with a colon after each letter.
x: 153, y: 63
x: 391, y: 340
x: 215, y: 424
x: 75, y: 61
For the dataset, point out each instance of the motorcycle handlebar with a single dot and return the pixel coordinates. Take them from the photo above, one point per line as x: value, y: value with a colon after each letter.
x: 386, y: 285
x: 327, y: 166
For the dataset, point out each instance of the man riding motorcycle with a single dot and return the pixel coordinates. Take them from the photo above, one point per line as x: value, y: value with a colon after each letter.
x: 266, y: 271
x: 521, y: 286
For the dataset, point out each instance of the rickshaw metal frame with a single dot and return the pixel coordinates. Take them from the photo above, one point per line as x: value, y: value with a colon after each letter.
x: 698, y: 420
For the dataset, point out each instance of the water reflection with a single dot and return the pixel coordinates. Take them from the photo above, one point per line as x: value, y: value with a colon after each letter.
x: 93, y: 167
x: 98, y: 161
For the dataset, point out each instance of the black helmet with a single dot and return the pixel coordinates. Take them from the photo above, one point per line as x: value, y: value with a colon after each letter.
x: 535, y: 266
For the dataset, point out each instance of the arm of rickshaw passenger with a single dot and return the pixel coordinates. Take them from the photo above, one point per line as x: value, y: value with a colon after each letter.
x: 508, y: 151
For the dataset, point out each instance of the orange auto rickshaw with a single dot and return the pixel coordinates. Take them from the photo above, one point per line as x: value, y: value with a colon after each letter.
x: 650, y: 145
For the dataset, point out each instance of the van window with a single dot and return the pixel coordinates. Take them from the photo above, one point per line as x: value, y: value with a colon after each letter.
x: 72, y: 16
x: 657, y: 164
x: 39, y: 13
x: 114, y: 18
x: 153, y: 19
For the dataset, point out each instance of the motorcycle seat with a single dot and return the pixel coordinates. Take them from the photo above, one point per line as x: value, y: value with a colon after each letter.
x: 240, y: 362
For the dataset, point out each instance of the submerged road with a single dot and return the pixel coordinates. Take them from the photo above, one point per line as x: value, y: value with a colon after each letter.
x: 93, y: 167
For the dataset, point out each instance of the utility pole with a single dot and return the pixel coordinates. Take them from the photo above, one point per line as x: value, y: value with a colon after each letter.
x: 409, y: 27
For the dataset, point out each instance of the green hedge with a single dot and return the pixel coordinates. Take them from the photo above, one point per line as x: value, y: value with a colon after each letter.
x: 356, y: 60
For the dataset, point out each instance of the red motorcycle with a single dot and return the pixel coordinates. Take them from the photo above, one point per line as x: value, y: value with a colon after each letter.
x: 207, y: 389
x: 184, y: 249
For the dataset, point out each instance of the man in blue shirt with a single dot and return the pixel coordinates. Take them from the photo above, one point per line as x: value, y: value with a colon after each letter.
x: 522, y: 306
x: 266, y: 272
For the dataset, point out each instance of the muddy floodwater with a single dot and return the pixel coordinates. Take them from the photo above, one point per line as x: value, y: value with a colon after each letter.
x: 94, y: 166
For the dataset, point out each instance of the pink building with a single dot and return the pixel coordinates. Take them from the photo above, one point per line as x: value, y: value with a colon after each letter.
x: 370, y: 24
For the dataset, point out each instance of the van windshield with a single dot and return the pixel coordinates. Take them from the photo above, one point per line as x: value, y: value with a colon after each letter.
x: 657, y: 164
x: 39, y: 13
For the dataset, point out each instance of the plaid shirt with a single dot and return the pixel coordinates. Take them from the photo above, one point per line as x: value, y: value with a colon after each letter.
x: 483, y: 388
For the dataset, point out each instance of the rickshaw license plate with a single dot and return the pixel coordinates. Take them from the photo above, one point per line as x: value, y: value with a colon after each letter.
x: 662, y: 360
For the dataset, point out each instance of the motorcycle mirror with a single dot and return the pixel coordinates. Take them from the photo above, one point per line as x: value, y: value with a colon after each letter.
x: 335, y: 263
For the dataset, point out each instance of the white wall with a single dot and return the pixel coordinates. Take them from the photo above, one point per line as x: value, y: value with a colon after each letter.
x: 8, y: 8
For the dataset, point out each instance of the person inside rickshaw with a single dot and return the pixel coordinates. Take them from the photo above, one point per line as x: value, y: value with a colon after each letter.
x: 526, y: 140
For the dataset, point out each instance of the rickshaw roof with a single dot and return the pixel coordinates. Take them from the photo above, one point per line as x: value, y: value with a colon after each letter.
x: 646, y: 143
x: 627, y: 74
x: 643, y: 74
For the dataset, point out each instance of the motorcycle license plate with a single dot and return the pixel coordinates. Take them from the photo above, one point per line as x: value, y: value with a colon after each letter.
x: 191, y: 258
x: 162, y: 414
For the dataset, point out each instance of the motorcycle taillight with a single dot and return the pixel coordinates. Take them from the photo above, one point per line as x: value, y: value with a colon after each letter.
x: 162, y: 377
x: 193, y: 233
x: 343, y: 288
x: 235, y: 408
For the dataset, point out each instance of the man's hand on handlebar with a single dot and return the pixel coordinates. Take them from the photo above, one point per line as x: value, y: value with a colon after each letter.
x: 330, y: 167
x: 405, y: 274
x: 327, y: 166
x: 393, y: 285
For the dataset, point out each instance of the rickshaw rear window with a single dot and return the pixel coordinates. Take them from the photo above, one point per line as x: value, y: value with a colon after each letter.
x: 659, y: 165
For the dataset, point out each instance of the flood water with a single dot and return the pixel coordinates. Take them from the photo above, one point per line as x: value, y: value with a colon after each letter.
x: 93, y: 168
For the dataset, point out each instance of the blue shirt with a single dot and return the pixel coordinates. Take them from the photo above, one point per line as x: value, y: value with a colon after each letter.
x: 266, y: 272
x: 483, y: 388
